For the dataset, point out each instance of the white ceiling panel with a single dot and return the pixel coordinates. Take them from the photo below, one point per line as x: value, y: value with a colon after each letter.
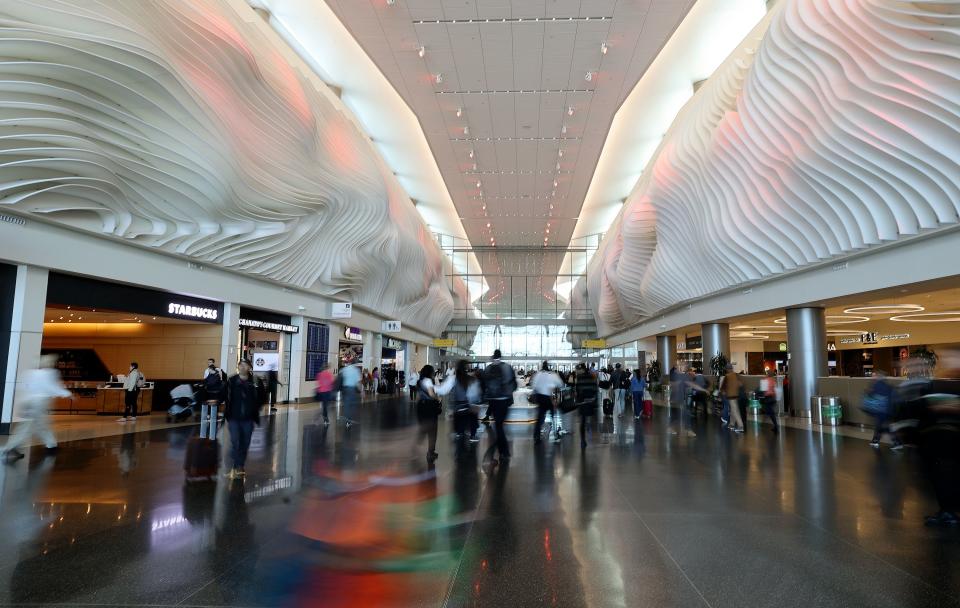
x: 514, y: 78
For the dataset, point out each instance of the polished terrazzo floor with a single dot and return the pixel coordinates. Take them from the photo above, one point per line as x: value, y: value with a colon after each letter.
x: 646, y: 516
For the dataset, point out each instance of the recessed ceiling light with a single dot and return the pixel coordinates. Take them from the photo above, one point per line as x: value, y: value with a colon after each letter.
x: 570, y: 111
x: 459, y: 112
x: 421, y: 51
x: 588, y: 76
x: 470, y: 154
x: 603, y: 48
x: 438, y: 78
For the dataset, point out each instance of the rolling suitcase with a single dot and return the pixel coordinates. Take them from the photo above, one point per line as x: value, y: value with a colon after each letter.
x: 648, y: 408
x: 201, y: 460
x: 607, y: 407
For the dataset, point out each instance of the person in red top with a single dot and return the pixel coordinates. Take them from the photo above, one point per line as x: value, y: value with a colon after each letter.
x: 325, y: 390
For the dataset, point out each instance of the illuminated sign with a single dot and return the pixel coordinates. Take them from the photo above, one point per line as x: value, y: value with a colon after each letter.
x: 393, y: 343
x: 444, y: 343
x: 783, y: 347
x: 269, y: 326
x: 872, y: 338
x: 390, y: 327
x: 341, y: 310
x: 598, y: 343
x: 196, y: 312
x: 352, y: 333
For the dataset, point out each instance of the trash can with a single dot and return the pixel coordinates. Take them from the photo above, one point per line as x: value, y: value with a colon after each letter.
x: 815, y: 402
x: 753, y: 408
x: 831, y: 412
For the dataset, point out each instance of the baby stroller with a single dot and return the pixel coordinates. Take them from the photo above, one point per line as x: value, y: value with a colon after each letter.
x: 186, y: 403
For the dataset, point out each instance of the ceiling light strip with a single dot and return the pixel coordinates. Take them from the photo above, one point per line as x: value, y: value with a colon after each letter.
x: 513, y: 91
x: 518, y: 172
x: 514, y: 139
x: 511, y: 20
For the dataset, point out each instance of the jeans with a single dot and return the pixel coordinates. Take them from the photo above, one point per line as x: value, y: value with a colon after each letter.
x: 208, y: 428
x: 725, y: 413
x: 769, y: 408
x: 498, y: 408
x: 883, y: 426
x: 325, y: 398
x: 130, y: 403
x: 544, y: 405
x: 637, y: 403
x: 241, y: 432
x: 349, y: 397
x: 619, y: 400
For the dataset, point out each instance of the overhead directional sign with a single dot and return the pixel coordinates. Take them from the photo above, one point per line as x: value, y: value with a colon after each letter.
x: 595, y: 343
x: 444, y: 342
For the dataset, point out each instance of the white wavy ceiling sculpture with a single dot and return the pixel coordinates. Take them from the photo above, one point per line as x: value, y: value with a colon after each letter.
x: 834, y: 127
x: 187, y: 127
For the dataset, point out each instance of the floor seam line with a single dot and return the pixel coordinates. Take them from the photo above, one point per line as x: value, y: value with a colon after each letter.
x: 463, y: 552
x: 664, y: 548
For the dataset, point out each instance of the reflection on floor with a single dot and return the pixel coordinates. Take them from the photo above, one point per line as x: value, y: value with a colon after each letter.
x: 330, y: 516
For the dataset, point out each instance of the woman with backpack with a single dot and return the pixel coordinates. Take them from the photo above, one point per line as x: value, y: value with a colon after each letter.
x: 428, y: 411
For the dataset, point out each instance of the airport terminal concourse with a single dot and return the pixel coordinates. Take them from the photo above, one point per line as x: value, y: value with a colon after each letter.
x: 469, y: 303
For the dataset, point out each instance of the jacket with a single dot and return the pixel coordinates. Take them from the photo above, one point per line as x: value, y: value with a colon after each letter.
x: 242, y: 400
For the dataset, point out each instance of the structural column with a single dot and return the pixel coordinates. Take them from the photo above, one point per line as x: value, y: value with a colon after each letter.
x: 298, y: 360
x: 716, y: 339
x: 230, y: 338
x: 807, y: 342
x: 666, y: 354
x: 26, y: 334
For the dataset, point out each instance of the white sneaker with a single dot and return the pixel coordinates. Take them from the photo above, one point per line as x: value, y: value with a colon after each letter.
x: 123, y: 419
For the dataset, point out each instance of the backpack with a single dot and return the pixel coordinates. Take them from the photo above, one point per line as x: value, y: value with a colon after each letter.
x: 496, y: 383
x: 624, y: 381
x: 213, y: 383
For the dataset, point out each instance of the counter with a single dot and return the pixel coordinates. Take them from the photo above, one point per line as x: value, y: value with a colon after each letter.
x: 110, y: 400
x: 851, y: 391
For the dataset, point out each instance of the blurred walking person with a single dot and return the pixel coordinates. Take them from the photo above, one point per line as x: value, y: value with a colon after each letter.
x: 585, y: 391
x: 349, y: 382
x: 428, y: 411
x: 638, y: 387
x: 545, y: 385
x: 499, y: 384
x: 325, y: 395
x: 39, y: 387
x: 466, y: 394
x: 768, y: 399
x: 620, y: 382
x: 242, y: 413
x: 732, y: 392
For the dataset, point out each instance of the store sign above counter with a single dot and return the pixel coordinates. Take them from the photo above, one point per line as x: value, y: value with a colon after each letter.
x: 393, y: 343
x: 195, y: 312
x: 267, y: 325
x: 353, y: 333
x: 341, y: 310
x: 390, y: 327
x: 873, y: 338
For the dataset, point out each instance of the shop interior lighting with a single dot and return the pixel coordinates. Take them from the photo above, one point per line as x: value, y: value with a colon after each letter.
x: 886, y: 309
x: 947, y: 316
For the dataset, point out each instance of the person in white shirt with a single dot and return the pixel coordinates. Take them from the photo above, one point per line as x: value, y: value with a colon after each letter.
x: 38, y: 388
x: 131, y: 390
x: 544, y: 384
x: 466, y: 397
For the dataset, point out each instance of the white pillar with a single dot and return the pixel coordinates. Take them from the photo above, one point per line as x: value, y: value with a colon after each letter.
x: 26, y: 334
x: 367, y: 349
x: 298, y: 359
x: 230, y: 338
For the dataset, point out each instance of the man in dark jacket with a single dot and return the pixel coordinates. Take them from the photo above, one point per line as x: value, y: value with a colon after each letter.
x: 242, y: 412
x: 499, y: 383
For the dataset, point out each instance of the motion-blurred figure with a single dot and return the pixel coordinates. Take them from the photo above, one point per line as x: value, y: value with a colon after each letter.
x: 39, y: 387
x: 879, y: 402
x: 428, y: 411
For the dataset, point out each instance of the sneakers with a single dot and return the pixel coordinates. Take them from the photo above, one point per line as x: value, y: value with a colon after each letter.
x: 326, y: 422
x: 122, y: 419
x: 724, y: 420
x: 474, y: 439
x: 898, y: 447
x: 875, y: 444
x: 740, y: 430
x: 943, y: 518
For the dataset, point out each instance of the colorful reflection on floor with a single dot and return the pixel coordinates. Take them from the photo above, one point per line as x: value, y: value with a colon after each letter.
x: 331, y: 516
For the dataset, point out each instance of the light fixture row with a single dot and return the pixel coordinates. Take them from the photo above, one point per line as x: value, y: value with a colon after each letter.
x: 505, y: 19
x: 515, y: 139
x: 509, y: 91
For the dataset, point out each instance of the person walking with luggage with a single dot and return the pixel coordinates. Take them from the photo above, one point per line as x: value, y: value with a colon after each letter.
x: 768, y: 399
x: 545, y: 385
x: 731, y: 391
x: 131, y: 391
x: 38, y: 388
x: 499, y: 383
x: 620, y: 382
x: 214, y: 389
x: 428, y: 411
x: 879, y: 403
x: 638, y: 386
x: 325, y: 390
x: 585, y: 391
x: 242, y: 413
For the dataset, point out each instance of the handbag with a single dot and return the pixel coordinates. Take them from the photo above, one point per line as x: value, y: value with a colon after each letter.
x: 429, y: 408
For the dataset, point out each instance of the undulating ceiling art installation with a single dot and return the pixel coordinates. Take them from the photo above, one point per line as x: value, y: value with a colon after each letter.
x: 834, y: 127
x: 187, y: 127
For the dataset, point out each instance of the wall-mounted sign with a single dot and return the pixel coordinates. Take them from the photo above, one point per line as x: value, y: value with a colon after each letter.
x: 390, y: 327
x: 895, y: 337
x: 341, y: 310
x: 265, y: 362
x: 393, y: 343
x: 681, y: 346
x: 195, y: 312
x: 353, y: 333
x: 269, y: 326
x: 443, y: 343
x: 872, y: 338
x: 694, y: 342
x: 869, y: 337
x: 831, y: 346
x: 596, y: 343
x: 783, y: 347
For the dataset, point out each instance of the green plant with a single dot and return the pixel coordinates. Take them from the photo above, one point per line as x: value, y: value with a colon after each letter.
x: 927, y: 359
x: 654, y: 372
x: 719, y: 364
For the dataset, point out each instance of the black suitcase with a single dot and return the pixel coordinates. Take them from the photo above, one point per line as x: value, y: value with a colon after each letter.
x: 202, y: 459
x: 607, y: 407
